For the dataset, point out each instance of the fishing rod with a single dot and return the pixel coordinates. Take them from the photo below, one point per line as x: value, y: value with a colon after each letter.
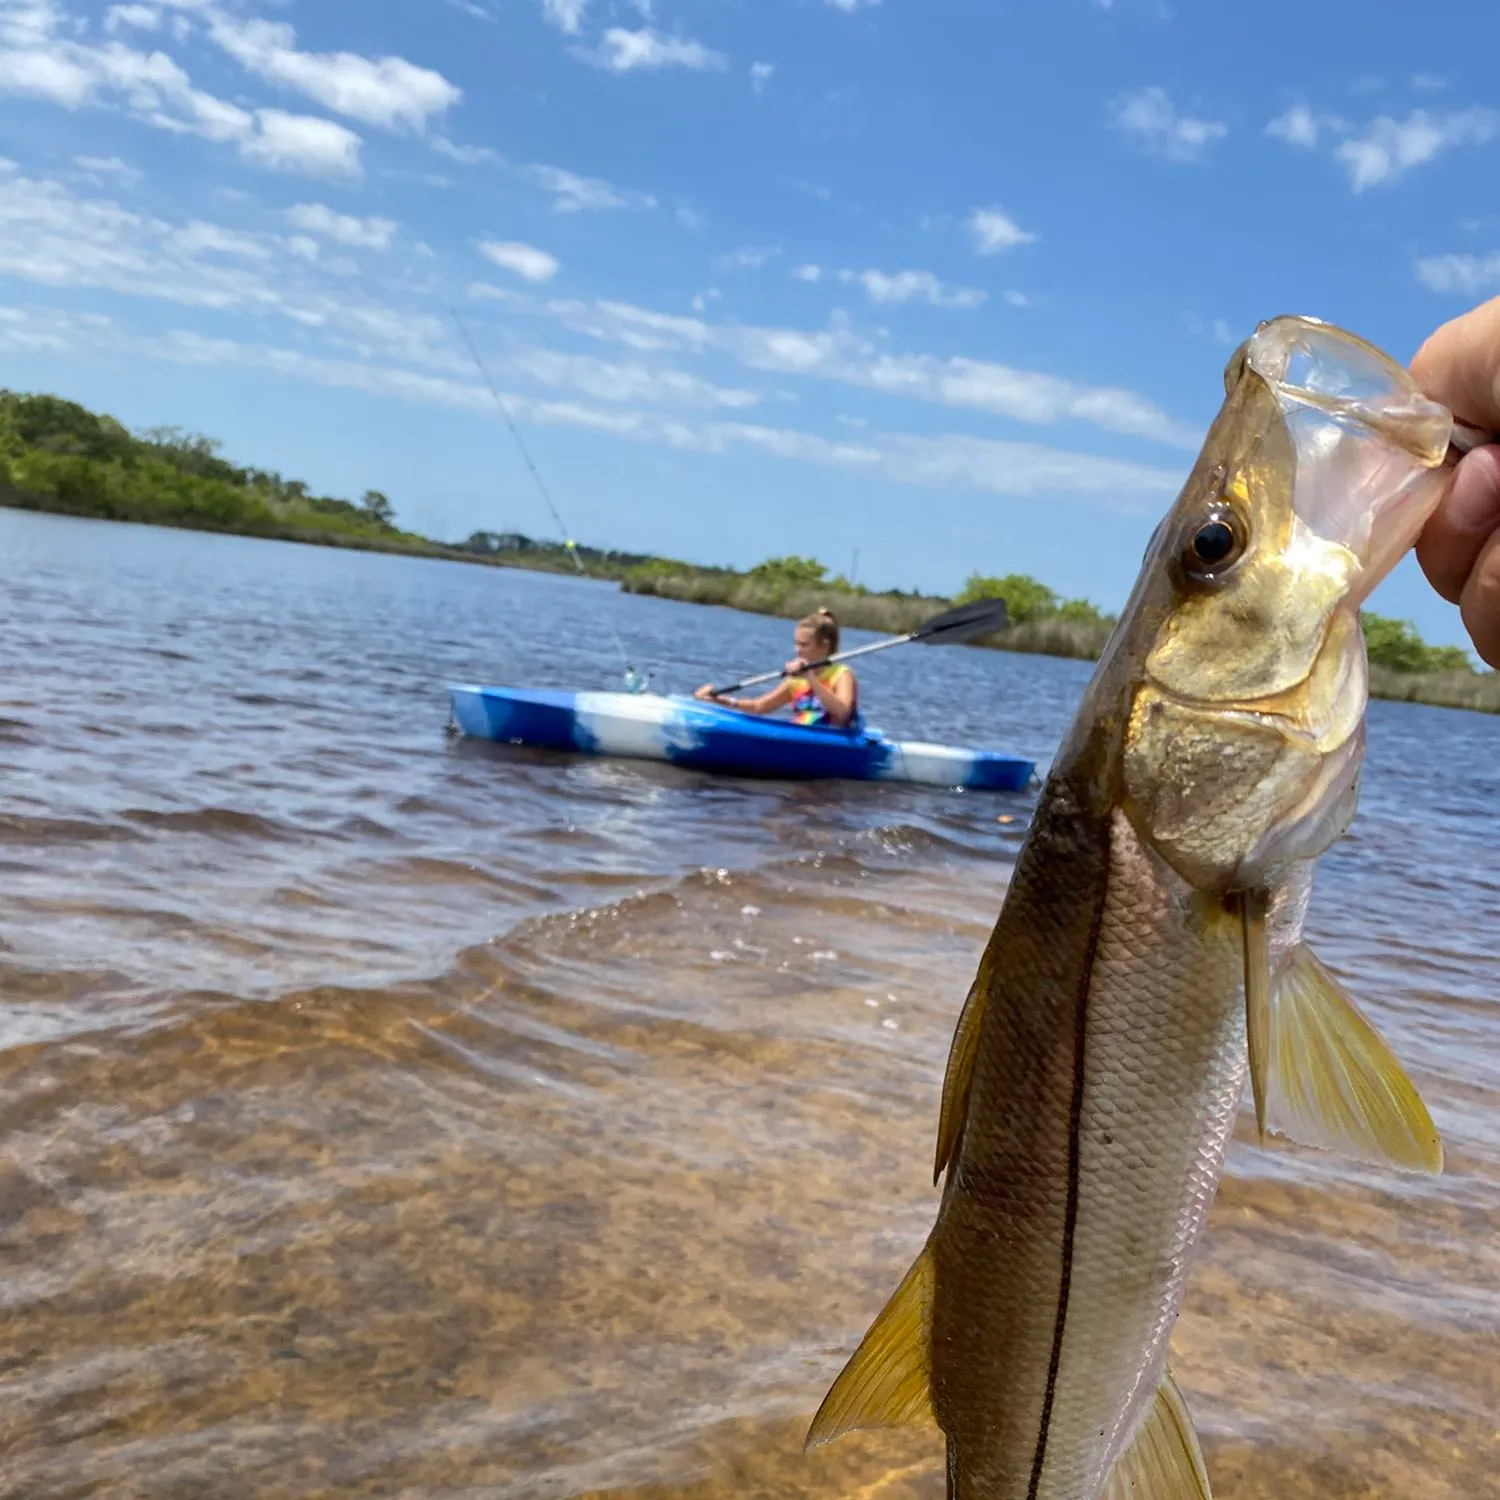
x: 966, y: 622
x: 633, y: 679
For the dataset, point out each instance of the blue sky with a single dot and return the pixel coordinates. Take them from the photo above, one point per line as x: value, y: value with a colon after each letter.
x: 951, y: 284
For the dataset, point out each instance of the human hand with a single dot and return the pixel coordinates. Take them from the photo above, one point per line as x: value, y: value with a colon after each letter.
x: 794, y: 668
x: 706, y: 692
x: 1459, y: 548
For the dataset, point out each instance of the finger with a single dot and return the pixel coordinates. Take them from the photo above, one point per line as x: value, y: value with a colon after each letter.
x: 1466, y: 518
x: 1480, y: 604
x: 1459, y: 365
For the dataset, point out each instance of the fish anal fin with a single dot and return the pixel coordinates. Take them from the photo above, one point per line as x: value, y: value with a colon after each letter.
x: 1164, y: 1461
x: 1332, y: 1081
x: 959, y: 1075
x: 885, y: 1383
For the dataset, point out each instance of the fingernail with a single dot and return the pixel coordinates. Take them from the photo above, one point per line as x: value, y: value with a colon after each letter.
x: 1474, y: 500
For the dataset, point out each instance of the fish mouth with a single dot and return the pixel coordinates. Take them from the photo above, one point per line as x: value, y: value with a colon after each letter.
x: 1370, y: 446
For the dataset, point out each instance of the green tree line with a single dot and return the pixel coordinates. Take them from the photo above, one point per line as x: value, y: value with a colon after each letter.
x: 56, y: 455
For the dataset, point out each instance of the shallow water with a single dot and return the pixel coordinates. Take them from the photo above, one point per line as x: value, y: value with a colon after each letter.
x: 387, y: 1115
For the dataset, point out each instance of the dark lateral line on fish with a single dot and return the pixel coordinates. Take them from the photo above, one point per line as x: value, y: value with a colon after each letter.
x: 1075, y: 1166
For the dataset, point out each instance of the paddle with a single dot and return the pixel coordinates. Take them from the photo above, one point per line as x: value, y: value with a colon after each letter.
x: 968, y: 622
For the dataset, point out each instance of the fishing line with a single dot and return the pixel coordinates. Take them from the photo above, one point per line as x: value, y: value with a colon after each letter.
x: 634, y: 682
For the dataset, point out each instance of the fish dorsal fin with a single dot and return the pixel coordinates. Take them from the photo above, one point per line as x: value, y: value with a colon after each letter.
x: 1331, y: 1080
x: 959, y: 1075
x: 1164, y: 1461
x: 885, y: 1384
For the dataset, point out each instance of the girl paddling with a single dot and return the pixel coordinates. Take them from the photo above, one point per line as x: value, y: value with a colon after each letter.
x: 817, y: 695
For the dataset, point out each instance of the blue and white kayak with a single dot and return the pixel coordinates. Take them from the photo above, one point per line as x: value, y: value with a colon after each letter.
x: 709, y: 737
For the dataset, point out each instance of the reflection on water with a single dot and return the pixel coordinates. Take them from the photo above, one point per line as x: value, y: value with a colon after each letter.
x: 388, y: 1115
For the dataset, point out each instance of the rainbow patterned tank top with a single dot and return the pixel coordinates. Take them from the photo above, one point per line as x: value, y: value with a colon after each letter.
x: 805, y: 706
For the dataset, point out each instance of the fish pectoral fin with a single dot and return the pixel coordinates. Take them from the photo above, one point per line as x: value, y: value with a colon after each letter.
x: 1331, y: 1079
x: 959, y: 1074
x: 1253, y: 905
x: 1164, y: 1461
x: 885, y: 1384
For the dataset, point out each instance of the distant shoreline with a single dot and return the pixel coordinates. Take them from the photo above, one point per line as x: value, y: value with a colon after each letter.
x: 401, y: 544
x: 1478, y: 692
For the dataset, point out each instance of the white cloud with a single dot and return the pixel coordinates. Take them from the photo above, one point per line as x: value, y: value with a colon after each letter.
x: 1429, y: 83
x: 52, y: 237
x: 760, y: 76
x: 304, y: 246
x: 690, y: 219
x: 470, y: 8
x: 153, y: 89
x: 623, y: 51
x: 850, y: 6
x: 570, y: 192
x: 1300, y: 126
x: 807, y: 273
x: 1017, y: 299
x: 1152, y: 121
x: 839, y: 354
x: 470, y: 156
x: 1387, y: 148
x: 525, y: 261
x: 943, y: 462
x: 747, y: 258
x: 566, y: 15
x: 197, y: 237
x: 1472, y: 275
x: 98, y: 168
x: 346, y: 229
x: 29, y: 23
x: 993, y: 230
x: 574, y: 194
x: 388, y: 91
x: 303, y: 143
x: 606, y: 381
x: 141, y: 17
x: 50, y: 75
x: 903, y: 286
x: 484, y: 291
x: 703, y: 300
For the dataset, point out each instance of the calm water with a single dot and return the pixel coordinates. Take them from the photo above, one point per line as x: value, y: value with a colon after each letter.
x: 387, y: 1115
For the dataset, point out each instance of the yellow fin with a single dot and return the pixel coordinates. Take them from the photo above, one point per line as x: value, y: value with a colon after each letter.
x: 885, y: 1384
x: 1331, y: 1079
x: 1257, y: 998
x: 959, y: 1074
x: 1164, y: 1461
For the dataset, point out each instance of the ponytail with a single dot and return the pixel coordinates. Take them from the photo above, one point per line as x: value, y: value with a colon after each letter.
x: 825, y: 629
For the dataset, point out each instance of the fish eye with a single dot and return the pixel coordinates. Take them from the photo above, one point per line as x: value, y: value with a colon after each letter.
x: 1214, y: 546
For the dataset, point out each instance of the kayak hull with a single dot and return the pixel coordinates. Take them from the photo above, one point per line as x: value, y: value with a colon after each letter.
x: 709, y: 737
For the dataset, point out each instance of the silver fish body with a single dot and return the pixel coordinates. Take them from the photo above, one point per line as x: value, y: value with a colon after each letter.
x: 1149, y: 954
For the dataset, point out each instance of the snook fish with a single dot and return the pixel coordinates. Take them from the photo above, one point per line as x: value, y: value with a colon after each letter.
x: 1149, y: 953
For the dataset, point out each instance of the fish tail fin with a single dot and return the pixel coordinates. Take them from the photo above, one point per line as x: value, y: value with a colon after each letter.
x: 1324, y: 1076
x: 1163, y: 1461
x: 885, y: 1383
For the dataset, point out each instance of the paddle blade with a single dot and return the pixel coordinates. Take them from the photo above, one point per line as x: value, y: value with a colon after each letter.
x: 966, y: 623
